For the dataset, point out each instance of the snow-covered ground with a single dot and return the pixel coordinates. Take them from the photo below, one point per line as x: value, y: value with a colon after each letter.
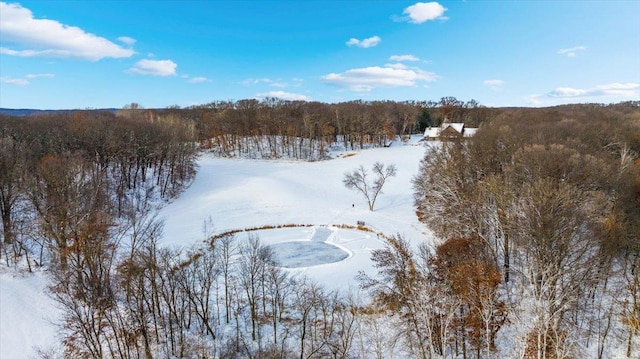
x: 239, y: 194
x: 27, y: 315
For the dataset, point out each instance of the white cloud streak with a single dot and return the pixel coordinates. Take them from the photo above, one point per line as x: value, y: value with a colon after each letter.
x: 14, y: 81
x: 369, y: 78
x: 127, y: 40
x: 629, y: 89
x: 154, y: 68
x: 197, y: 80
x: 401, y: 58
x: 33, y: 76
x: 571, y: 52
x: 287, y: 96
x: 494, y: 84
x: 24, y: 81
x: 366, y: 43
x: 421, y: 12
x: 249, y: 82
x: 296, y: 82
x: 49, y: 38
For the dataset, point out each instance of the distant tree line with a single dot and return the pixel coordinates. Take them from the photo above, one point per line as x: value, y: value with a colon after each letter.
x: 274, y: 128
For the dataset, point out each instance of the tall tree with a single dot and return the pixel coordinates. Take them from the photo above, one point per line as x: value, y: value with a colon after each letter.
x: 12, y: 172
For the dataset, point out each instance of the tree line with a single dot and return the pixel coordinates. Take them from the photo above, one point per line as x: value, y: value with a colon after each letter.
x: 273, y: 128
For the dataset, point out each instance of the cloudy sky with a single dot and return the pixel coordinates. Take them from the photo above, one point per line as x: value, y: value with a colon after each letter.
x: 98, y: 54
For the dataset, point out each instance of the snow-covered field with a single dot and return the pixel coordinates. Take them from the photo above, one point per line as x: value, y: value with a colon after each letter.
x: 237, y: 194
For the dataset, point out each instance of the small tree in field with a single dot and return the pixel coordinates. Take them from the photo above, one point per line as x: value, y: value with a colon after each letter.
x: 358, y: 180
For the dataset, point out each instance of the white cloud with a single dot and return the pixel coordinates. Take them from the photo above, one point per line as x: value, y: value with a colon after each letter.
x: 12, y: 81
x: 33, y: 76
x: 197, y: 80
x: 127, y: 40
x: 561, y: 95
x: 571, y: 52
x: 403, y: 58
x: 368, y: 42
x: 494, y: 84
x: 24, y: 81
x: 368, y: 78
x: 154, y: 68
x: 249, y: 82
x: 287, y: 96
x: 296, y: 82
x: 50, y: 38
x: 629, y: 89
x: 424, y: 11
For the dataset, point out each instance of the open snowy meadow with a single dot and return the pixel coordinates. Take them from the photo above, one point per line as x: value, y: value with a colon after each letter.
x: 234, y: 194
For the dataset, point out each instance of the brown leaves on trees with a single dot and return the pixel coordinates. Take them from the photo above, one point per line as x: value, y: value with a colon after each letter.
x: 471, y: 275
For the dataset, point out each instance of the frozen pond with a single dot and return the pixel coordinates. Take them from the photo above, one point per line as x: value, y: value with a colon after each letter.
x: 307, y: 253
x: 330, y: 255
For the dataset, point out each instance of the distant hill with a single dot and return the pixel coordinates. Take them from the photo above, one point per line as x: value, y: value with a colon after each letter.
x: 29, y: 111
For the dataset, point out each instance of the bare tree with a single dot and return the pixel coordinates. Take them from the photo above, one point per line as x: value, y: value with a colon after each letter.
x: 226, y: 249
x: 11, y: 166
x: 251, y: 265
x: 358, y: 180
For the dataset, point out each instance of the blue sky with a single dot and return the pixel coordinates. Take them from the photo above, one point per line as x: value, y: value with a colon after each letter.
x: 99, y: 54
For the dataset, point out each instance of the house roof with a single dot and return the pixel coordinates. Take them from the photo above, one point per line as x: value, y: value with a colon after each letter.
x: 432, y: 132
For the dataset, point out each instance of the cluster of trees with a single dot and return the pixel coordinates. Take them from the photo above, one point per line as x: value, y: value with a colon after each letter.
x: 442, y: 303
x: 274, y: 128
x: 66, y: 177
x: 552, y: 199
x: 226, y: 300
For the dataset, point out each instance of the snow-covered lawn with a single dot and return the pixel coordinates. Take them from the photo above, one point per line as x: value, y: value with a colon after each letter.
x: 237, y: 194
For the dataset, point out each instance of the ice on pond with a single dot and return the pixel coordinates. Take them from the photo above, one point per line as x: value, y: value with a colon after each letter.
x: 307, y: 253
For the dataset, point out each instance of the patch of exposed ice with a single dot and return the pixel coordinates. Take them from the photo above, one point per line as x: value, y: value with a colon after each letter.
x: 307, y: 253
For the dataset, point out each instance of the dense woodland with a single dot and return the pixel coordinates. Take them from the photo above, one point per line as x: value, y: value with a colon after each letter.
x: 540, y: 216
x: 538, y: 220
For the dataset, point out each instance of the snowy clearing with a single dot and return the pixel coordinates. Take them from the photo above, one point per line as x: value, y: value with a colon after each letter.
x: 237, y: 194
